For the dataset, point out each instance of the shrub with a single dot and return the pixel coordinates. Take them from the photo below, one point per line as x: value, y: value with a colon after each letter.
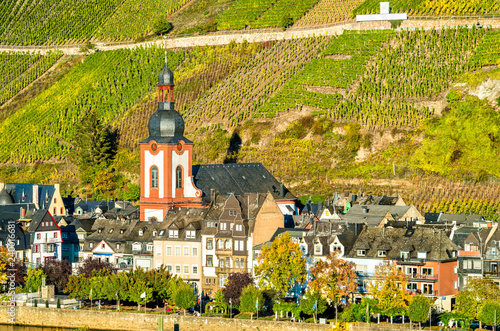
x: 162, y: 26
x: 286, y: 20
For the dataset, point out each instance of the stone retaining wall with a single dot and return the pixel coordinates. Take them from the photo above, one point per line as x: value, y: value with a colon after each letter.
x: 108, y: 320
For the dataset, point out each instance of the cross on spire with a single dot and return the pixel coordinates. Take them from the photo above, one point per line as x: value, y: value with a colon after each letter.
x: 165, y: 46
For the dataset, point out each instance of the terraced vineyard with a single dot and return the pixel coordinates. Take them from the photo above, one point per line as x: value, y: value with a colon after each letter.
x: 107, y: 82
x: 488, y: 51
x: 18, y: 70
x: 135, y: 18
x: 238, y: 96
x: 434, y: 7
x: 262, y: 13
x: 329, y: 11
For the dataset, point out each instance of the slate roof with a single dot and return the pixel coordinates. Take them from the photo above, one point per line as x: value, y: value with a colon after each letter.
x: 39, y: 216
x: 450, y: 218
x: 238, y: 178
x: 376, y: 200
x: 294, y: 233
x: 19, y: 190
x: 90, y: 206
x: 433, y: 241
x: 13, y: 211
x: 23, y: 236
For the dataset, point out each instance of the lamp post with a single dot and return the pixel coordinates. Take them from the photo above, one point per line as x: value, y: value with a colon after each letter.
x: 230, y: 308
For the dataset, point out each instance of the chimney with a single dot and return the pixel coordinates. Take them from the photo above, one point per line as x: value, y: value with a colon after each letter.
x: 23, y: 212
x: 35, y: 196
x: 489, y: 224
x: 282, y: 190
x: 346, y: 193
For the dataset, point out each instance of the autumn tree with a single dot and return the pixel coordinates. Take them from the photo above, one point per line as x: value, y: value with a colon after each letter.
x: 281, y: 265
x: 470, y: 300
x: 335, y: 277
x: 389, y: 287
x: 4, y: 260
x: 58, y: 272
x: 90, y: 264
x: 78, y: 287
x: 490, y: 313
x: 235, y: 283
x: 33, y: 280
x: 419, y: 309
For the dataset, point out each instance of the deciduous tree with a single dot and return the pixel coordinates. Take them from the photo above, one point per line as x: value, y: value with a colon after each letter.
x: 418, y: 310
x: 251, y: 300
x: 313, y: 303
x: 281, y: 265
x: 33, y: 280
x: 90, y: 264
x: 490, y: 313
x: 470, y: 300
x: 235, y: 283
x: 389, y: 287
x: 184, y: 297
x: 334, y: 277
x: 57, y: 272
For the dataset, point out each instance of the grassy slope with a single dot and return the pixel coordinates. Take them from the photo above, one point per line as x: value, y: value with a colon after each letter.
x: 312, y: 154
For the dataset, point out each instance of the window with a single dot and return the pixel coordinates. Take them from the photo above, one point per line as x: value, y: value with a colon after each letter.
x: 141, y: 233
x: 177, y: 269
x: 227, y: 244
x: 422, y: 255
x: 405, y: 255
x: 55, y: 212
x: 154, y: 177
x: 103, y: 246
x: 382, y: 253
x: 361, y: 252
x: 228, y: 262
x: 236, y: 246
x: 232, y: 213
x: 455, y: 285
x: 62, y: 210
x: 477, y: 264
x: 91, y: 245
x: 207, y: 281
x: 220, y: 244
x: 117, y: 246
x: 136, y: 247
x: 190, y: 234
x: 195, y: 251
x: 186, y: 269
x: 81, y: 236
x: 317, y: 249
x: 178, y: 177
x: 427, y: 289
x: 38, y: 236
x: 427, y: 271
x: 169, y: 268
x: 35, y: 248
x: 223, y: 226
x: 149, y: 247
x: 210, y: 261
x: 186, y: 251
x: 195, y: 270
x: 411, y: 271
x: 162, y: 233
x: 177, y: 251
x: 221, y: 262
x: 158, y: 250
x: 412, y: 286
x: 173, y: 233
x: 154, y: 232
x: 455, y: 270
x: 169, y: 251
x: 242, y: 245
x: 210, y: 243
x: 239, y: 227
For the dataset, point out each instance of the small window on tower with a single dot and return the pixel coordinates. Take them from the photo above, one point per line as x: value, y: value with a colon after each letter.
x: 154, y: 177
x: 178, y: 177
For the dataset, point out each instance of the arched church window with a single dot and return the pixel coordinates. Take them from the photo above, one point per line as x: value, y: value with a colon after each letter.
x: 178, y: 177
x: 154, y: 177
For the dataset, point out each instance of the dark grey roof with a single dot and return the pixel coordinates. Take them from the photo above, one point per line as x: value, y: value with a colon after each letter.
x: 433, y: 241
x: 39, y: 216
x: 23, y: 193
x: 19, y: 233
x: 166, y: 76
x: 5, y: 198
x: 450, y: 218
x: 238, y: 178
x: 91, y: 205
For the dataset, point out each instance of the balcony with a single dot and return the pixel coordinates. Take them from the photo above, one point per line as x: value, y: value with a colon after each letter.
x: 422, y: 277
x: 224, y: 251
x: 224, y: 270
x: 492, y: 273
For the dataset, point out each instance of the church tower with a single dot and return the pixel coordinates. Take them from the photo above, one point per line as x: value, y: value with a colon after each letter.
x: 166, y: 158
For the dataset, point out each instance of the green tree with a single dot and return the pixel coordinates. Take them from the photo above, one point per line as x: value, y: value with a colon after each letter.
x: 162, y: 26
x: 78, y: 287
x: 116, y: 288
x: 281, y: 265
x: 33, y: 280
x: 98, y: 287
x: 286, y: 20
x: 251, y: 300
x: 313, y: 303
x: 136, y: 290
x: 418, y: 310
x: 184, y: 297
x: 490, y: 313
x: 470, y: 300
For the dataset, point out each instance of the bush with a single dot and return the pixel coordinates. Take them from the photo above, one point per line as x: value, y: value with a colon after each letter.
x: 286, y: 20
x: 453, y: 96
x: 162, y: 26
x: 36, y: 303
x: 58, y: 303
x: 248, y: 299
x: 46, y: 303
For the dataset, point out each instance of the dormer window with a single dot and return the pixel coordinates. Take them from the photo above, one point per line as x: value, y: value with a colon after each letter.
x: 110, y: 230
x: 122, y: 231
x: 190, y: 234
x: 154, y: 233
x: 239, y: 227
x: 91, y: 245
x: 141, y: 232
x: 382, y: 253
x: 99, y: 230
x: 173, y: 233
x: 422, y: 255
x: 136, y: 247
x: 318, y: 249
x: 117, y: 246
x: 361, y: 252
x: 405, y: 255
x: 232, y: 213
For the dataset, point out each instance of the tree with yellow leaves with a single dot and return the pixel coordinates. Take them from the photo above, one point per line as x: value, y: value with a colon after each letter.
x: 389, y: 287
x: 4, y: 260
x: 281, y: 265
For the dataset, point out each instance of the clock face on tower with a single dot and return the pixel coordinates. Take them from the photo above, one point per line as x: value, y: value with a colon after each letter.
x: 179, y: 146
x: 154, y: 147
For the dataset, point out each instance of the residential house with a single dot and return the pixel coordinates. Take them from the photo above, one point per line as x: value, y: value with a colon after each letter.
x: 427, y: 256
x: 379, y: 215
x: 46, y: 197
x: 46, y: 238
x: 21, y: 241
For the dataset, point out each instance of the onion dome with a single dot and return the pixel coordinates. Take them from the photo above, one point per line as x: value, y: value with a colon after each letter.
x: 166, y: 76
x: 166, y: 123
x: 5, y: 198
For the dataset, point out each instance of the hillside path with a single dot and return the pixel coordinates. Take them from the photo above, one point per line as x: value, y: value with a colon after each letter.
x: 251, y: 36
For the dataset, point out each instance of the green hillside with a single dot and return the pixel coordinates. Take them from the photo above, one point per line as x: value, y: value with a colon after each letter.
x: 376, y: 111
